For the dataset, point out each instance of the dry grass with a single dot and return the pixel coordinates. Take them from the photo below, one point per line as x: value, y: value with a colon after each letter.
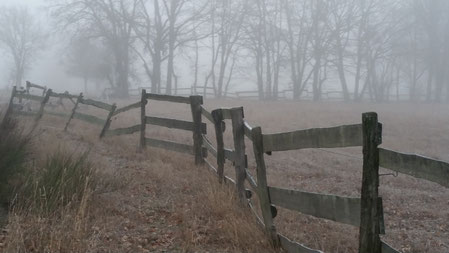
x: 169, y: 204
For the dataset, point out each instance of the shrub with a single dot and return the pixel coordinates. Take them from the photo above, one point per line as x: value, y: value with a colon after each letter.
x: 14, y: 151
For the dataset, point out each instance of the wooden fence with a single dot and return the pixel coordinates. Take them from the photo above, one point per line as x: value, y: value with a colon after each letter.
x: 365, y: 212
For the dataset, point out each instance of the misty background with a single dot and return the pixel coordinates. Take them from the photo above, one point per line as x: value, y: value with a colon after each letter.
x: 377, y: 50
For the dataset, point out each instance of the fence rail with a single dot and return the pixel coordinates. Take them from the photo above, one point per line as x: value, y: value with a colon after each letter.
x: 365, y: 212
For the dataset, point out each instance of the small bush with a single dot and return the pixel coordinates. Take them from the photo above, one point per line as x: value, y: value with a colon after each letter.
x: 14, y: 151
x: 62, y: 181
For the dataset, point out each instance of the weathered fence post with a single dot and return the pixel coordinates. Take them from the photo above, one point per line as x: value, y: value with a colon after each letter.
x: 262, y: 186
x: 42, y: 108
x: 238, y: 132
x: 195, y: 105
x: 369, y: 240
x: 107, y: 124
x: 10, y: 106
x: 217, y: 116
x: 78, y: 100
x: 143, y: 121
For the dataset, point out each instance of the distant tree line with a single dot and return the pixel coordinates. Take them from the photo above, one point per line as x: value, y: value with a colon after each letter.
x: 366, y: 49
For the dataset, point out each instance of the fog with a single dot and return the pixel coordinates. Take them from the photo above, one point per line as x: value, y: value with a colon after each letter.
x: 271, y: 49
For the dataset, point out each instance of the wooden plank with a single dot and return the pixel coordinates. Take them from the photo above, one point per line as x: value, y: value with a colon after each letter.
x: 107, y: 123
x: 30, y: 97
x: 168, y: 98
x: 416, y: 166
x: 334, y: 137
x: 207, y: 114
x: 209, y: 146
x: 294, y: 247
x: 143, y: 125
x: 169, y: 145
x: 248, y: 130
x: 331, y: 207
x: 219, y: 127
x: 97, y: 104
x: 89, y: 118
x: 63, y: 95
x: 239, y: 149
x: 33, y: 85
x: 388, y: 249
x: 174, y: 123
x: 57, y: 114
x: 199, y: 127
x: 75, y: 106
x: 26, y: 113
x: 127, y: 108
x: 123, y: 131
x: 262, y: 190
x: 370, y: 229
x: 226, y: 113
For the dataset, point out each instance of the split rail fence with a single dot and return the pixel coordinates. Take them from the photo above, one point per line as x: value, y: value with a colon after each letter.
x: 365, y: 212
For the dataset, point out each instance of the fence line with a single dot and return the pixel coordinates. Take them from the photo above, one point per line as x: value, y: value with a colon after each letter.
x: 365, y: 212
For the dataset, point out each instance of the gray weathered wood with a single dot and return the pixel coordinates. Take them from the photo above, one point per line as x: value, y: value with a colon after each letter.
x: 207, y: 114
x: 143, y: 124
x: 388, y: 249
x: 239, y: 150
x: 369, y: 239
x: 57, y: 114
x: 248, y: 130
x: 331, y: 207
x: 63, y: 95
x: 209, y: 146
x: 217, y: 117
x: 334, y: 137
x: 294, y: 247
x: 168, y: 98
x: 127, y: 108
x: 169, y: 145
x: 415, y: 165
x: 262, y: 191
x: 97, y: 104
x: 40, y: 113
x: 30, y: 97
x: 75, y: 106
x: 89, y: 118
x: 107, y: 123
x: 174, y: 123
x: 195, y: 106
x: 123, y: 131
x: 226, y: 113
x: 33, y: 85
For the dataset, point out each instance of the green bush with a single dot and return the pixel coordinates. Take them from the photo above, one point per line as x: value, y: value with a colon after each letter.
x: 63, y: 180
x: 14, y: 151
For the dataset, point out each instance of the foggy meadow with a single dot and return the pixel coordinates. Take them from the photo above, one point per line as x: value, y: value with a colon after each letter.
x: 224, y: 126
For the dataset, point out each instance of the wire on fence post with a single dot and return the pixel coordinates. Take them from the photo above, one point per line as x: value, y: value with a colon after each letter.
x: 217, y: 116
x: 195, y: 106
x: 369, y: 239
x: 143, y: 122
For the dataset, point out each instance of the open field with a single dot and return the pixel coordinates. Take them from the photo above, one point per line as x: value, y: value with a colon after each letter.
x: 166, y: 192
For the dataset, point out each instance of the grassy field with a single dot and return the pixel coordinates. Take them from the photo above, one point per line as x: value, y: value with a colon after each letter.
x: 161, y: 201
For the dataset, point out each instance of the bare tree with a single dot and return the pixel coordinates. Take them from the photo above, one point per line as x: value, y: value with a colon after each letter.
x: 21, y: 37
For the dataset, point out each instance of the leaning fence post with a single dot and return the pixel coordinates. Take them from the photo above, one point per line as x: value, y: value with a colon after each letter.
x: 41, y: 109
x: 107, y: 124
x: 262, y: 186
x: 195, y: 105
x: 369, y: 239
x: 217, y: 116
x: 238, y: 132
x: 10, y: 105
x: 143, y: 121
x: 78, y: 100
